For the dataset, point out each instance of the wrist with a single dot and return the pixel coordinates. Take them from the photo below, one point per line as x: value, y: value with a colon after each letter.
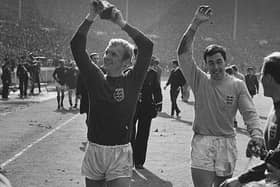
x: 122, y: 23
x: 194, y: 24
x: 91, y: 17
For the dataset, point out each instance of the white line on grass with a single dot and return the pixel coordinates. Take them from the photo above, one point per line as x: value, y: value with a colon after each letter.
x: 37, y: 141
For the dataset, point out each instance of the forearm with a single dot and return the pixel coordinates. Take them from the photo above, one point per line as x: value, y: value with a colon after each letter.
x: 142, y: 42
x: 145, y: 51
x: 78, y: 42
x: 186, y: 43
x: 78, y: 47
x: 249, y: 113
x: 255, y: 174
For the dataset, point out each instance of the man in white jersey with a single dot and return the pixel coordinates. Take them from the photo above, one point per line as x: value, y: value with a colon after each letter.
x: 218, y: 96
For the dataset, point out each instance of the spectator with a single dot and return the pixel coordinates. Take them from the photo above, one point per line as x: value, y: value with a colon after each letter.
x: 229, y: 70
x: 155, y: 64
x: 6, y: 79
x: 34, y: 69
x: 71, y: 83
x: 22, y: 74
x: 176, y: 80
x: 236, y: 73
x: 217, y: 98
x: 112, y: 99
x: 252, y: 82
x: 148, y: 105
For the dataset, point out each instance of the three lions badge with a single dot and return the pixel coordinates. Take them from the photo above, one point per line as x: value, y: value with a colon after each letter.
x: 118, y: 94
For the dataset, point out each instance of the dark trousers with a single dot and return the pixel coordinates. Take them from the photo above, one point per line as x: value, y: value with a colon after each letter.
x: 173, y: 96
x: 5, y: 91
x: 23, y: 84
x: 140, y: 136
x: 35, y: 79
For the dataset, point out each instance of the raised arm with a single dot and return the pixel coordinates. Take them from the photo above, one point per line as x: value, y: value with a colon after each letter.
x: 185, y: 48
x: 78, y: 46
x: 144, y: 47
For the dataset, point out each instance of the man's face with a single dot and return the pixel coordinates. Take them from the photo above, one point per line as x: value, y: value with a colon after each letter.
x: 113, y: 58
x: 216, y: 66
x: 61, y: 64
x: 250, y: 72
x: 95, y: 58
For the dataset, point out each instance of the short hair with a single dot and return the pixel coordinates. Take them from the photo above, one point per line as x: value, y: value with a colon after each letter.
x: 128, y: 47
x: 271, y: 66
x: 154, y: 60
x: 229, y: 70
x: 234, y: 67
x: 175, y: 62
x: 212, y: 49
x: 92, y: 55
x: 250, y: 69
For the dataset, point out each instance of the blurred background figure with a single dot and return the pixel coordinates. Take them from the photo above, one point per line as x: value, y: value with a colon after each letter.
x: 71, y: 82
x: 6, y: 78
x: 155, y: 63
x: 236, y: 73
x: 229, y: 70
x: 148, y: 105
x: 34, y: 70
x: 252, y: 82
x: 22, y: 74
x: 59, y: 75
x: 176, y: 80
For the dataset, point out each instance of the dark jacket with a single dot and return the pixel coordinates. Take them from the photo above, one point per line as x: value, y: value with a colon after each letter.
x: 150, y: 97
x: 71, y: 78
x: 22, y: 72
x: 176, y: 79
x: 82, y: 91
x: 6, y: 75
x: 252, y: 84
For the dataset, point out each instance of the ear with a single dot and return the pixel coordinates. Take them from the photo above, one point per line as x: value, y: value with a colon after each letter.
x: 126, y: 62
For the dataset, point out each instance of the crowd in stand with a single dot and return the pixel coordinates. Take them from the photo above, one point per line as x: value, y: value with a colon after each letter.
x: 129, y: 80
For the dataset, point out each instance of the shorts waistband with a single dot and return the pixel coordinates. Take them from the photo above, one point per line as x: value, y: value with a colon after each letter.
x: 109, y: 146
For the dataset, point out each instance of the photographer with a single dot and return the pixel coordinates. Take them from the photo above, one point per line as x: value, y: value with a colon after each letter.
x: 112, y: 98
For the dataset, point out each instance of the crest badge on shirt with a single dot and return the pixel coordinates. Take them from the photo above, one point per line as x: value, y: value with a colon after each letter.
x: 118, y: 94
x: 229, y: 99
x: 273, y: 131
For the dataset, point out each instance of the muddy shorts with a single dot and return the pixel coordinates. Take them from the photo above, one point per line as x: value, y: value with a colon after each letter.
x: 107, y: 162
x: 214, y: 153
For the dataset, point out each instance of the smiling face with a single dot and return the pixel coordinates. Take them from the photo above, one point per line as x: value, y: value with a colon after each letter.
x: 113, y: 58
x: 216, y: 66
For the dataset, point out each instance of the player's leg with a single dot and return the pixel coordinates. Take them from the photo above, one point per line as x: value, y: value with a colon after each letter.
x: 202, y: 178
x: 94, y: 183
x: 120, y: 182
x: 202, y: 160
x: 225, y: 159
